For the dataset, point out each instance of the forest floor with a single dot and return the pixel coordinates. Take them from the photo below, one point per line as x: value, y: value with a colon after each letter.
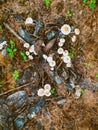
x: 72, y: 113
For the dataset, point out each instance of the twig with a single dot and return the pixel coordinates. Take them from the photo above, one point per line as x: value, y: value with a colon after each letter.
x: 15, y: 89
x: 13, y: 32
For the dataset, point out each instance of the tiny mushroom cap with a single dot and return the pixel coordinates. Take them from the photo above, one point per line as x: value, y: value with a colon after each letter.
x: 52, y: 68
x: 31, y: 49
x: 66, y: 59
x: 30, y: 57
x: 32, y: 115
x: 68, y: 65
x: 47, y: 93
x: 47, y: 87
x: 26, y: 45
x: 60, y: 51
x: 27, y: 53
x: 45, y: 56
x: 77, y: 31
x: 65, y: 53
x: 60, y: 44
x: 41, y: 92
x: 1, y: 47
x: 65, y: 29
x: 52, y: 63
x: 73, y: 39
x: 29, y: 20
x: 49, y: 59
x: 62, y: 40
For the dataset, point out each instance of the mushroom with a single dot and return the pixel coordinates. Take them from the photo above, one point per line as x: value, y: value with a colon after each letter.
x: 41, y: 92
x: 77, y: 31
x: 45, y: 56
x: 68, y: 65
x: 73, y: 39
x: 52, y: 63
x: 60, y: 44
x: 65, y: 29
x: 26, y: 45
x: 52, y: 68
x: 31, y: 49
x: 60, y: 51
x: 27, y: 53
x: 62, y: 40
x: 29, y: 20
x: 66, y: 59
x: 30, y: 57
x: 65, y: 53
x: 47, y: 93
x: 49, y: 59
x: 47, y: 87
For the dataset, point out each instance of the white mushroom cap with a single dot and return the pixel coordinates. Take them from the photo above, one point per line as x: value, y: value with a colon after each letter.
x: 26, y: 45
x: 65, y: 29
x: 27, y: 53
x: 29, y: 20
x: 68, y: 65
x: 52, y: 63
x: 47, y: 87
x: 60, y: 44
x: 49, y: 59
x: 62, y: 40
x: 4, y: 43
x: 1, y: 47
x: 78, y: 93
x: 77, y: 31
x: 73, y: 39
x: 41, y: 92
x: 66, y: 59
x: 52, y: 68
x: 60, y: 51
x: 32, y: 115
x: 47, y: 93
x: 45, y: 56
x: 65, y: 53
x: 31, y: 49
x: 30, y: 57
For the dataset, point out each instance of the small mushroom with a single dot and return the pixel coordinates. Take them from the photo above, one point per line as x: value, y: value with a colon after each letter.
x: 47, y: 93
x: 62, y: 40
x: 47, y: 87
x: 73, y: 39
x: 45, y: 56
x: 60, y: 44
x: 65, y: 53
x: 27, y: 53
x: 26, y: 45
x: 49, y: 59
x: 29, y: 20
x: 77, y: 31
x: 60, y: 51
x: 31, y: 49
x: 41, y: 92
x: 68, y: 65
x: 66, y: 29
x: 52, y: 63
x: 30, y: 57
x: 66, y: 59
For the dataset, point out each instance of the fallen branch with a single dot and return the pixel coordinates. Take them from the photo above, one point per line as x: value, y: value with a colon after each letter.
x: 13, y: 32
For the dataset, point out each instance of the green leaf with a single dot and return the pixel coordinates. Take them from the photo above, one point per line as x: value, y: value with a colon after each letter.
x: 22, y: 53
x: 82, y: 91
x: 69, y: 13
x: 12, y: 44
x: 53, y: 90
x: 84, y: 1
x: 9, y: 50
x: 87, y: 64
x: 96, y: 75
x: 14, y: 50
x: 92, y: 6
x: 71, y: 55
x: 47, y: 2
x: 15, y: 74
x: 11, y: 54
x: 25, y: 57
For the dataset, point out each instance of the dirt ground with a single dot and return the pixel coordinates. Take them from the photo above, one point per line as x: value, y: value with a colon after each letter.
x: 74, y: 114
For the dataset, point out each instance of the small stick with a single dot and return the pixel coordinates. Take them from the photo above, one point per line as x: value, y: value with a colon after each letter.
x: 13, y: 32
x: 15, y: 89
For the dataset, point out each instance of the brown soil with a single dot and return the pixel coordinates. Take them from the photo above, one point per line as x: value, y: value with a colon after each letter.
x: 75, y: 114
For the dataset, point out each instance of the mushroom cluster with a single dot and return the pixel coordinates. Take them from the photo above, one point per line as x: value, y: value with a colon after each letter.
x: 44, y: 91
x: 50, y: 61
x: 31, y: 51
